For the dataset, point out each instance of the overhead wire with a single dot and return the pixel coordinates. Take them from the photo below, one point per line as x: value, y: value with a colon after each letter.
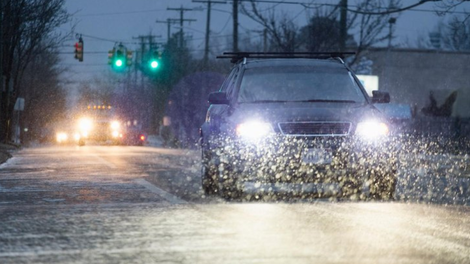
x: 121, y: 13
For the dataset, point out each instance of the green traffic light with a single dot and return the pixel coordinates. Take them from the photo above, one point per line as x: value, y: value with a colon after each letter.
x: 118, y: 63
x: 154, y: 64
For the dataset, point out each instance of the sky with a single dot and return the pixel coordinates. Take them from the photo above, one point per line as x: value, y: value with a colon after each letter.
x: 103, y: 23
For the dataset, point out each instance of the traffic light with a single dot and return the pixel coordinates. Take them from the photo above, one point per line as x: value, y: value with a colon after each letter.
x: 79, y: 50
x: 154, y: 62
x: 129, y: 58
x: 111, y: 56
x: 119, y: 61
x: 120, y: 58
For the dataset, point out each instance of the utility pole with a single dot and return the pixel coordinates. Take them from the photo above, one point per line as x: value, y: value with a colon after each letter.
x: 265, y: 40
x: 235, y: 25
x: 168, y: 22
x: 144, y: 41
x: 391, y: 22
x: 182, y: 20
x: 343, y: 31
x: 264, y: 33
x: 208, y: 23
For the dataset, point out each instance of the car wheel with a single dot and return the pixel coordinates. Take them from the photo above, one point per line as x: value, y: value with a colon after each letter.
x: 227, y: 183
x: 382, y: 183
x: 208, y: 173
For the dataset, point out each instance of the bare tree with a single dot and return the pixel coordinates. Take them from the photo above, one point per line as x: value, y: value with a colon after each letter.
x: 46, y: 100
x: 282, y: 31
x: 323, y: 31
x: 27, y: 27
x: 455, y: 35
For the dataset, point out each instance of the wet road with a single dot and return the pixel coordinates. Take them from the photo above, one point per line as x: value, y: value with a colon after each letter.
x: 111, y: 204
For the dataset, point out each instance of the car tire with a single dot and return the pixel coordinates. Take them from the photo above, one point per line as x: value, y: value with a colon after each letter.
x: 209, y: 173
x: 227, y: 183
x: 384, y: 187
x: 382, y: 184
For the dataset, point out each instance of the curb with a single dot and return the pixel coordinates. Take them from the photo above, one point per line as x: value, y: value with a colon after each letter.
x: 6, y: 149
x: 4, y: 156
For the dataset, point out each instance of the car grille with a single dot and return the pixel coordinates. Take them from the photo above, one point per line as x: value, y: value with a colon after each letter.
x: 315, y: 128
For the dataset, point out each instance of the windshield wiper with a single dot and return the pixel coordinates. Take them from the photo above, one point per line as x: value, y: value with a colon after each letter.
x: 266, y: 101
x: 300, y: 101
x: 326, y: 101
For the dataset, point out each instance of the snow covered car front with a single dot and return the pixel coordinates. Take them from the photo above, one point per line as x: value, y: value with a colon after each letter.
x: 298, y: 126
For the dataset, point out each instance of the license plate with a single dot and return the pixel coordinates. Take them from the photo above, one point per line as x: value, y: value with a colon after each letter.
x: 316, y: 156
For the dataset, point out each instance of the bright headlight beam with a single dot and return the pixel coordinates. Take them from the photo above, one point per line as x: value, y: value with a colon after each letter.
x: 115, y: 134
x: 372, y: 129
x: 85, y: 124
x: 115, y: 125
x: 253, y: 129
x: 61, y: 137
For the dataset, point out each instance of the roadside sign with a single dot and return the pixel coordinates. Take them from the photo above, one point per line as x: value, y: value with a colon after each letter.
x: 19, y: 105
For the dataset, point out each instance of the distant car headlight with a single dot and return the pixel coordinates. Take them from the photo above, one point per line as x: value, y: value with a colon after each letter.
x: 84, y: 124
x: 254, y: 130
x: 61, y: 137
x: 115, y: 134
x: 372, y: 129
x: 115, y: 125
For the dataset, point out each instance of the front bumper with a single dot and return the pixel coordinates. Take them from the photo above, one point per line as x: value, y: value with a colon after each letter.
x: 279, y: 161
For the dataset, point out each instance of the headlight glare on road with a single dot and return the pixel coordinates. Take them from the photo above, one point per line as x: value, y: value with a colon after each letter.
x: 372, y: 129
x: 254, y: 130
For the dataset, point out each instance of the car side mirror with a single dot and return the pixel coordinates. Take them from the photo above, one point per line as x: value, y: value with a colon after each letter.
x: 218, y: 98
x: 380, y: 97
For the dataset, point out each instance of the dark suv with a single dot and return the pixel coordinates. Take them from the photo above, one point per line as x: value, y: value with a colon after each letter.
x: 299, y: 125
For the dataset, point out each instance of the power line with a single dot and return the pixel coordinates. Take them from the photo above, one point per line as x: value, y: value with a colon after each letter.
x: 122, y: 13
x: 318, y: 5
x: 104, y: 39
x: 71, y: 52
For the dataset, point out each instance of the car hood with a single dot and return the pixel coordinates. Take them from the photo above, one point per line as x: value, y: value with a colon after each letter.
x: 304, y: 112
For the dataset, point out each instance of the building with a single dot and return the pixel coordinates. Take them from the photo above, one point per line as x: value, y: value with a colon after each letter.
x: 410, y: 75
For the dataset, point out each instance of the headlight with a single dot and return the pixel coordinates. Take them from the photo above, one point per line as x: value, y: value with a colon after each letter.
x: 115, y: 125
x: 85, y: 124
x: 115, y: 134
x: 372, y: 129
x: 61, y: 137
x: 254, y: 129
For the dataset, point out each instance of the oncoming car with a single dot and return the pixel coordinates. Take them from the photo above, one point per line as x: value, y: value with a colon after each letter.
x: 98, y: 130
x: 296, y: 124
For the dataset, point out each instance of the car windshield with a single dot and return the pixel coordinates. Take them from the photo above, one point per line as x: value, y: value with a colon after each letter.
x: 298, y: 84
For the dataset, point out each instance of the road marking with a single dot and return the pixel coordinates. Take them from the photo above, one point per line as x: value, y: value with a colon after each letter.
x: 165, y: 195
x: 105, y: 162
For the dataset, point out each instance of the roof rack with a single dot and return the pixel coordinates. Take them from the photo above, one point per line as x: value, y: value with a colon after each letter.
x: 237, y: 56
